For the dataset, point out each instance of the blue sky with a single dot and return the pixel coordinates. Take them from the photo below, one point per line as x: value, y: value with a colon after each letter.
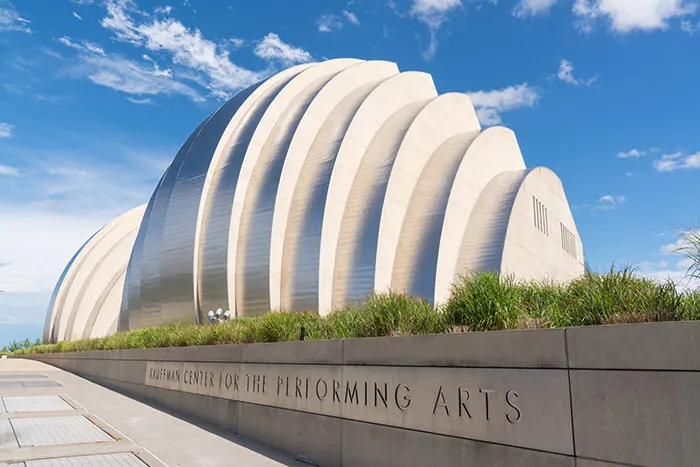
x: 97, y: 95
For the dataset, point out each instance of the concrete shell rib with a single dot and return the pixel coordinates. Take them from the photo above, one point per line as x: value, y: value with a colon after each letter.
x: 380, y: 105
x: 91, y: 290
x: 502, y: 236
x: 254, y: 199
x: 495, y: 150
x: 214, y: 218
x: 446, y: 116
x: 301, y: 197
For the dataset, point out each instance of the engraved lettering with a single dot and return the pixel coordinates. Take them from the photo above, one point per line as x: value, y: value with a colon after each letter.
x: 235, y: 381
x: 512, y: 418
x: 228, y: 381
x: 280, y: 383
x: 440, y: 402
x: 325, y: 389
x: 336, y: 388
x: 403, y: 402
x: 463, y: 397
x: 297, y: 393
x: 382, y: 395
x: 351, y: 394
x: 264, y: 383
x: 486, y: 393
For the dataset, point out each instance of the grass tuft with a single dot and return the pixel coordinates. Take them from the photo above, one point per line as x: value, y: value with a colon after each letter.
x: 478, y: 302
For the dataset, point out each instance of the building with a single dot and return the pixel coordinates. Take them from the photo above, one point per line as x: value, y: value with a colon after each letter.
x: 317, y: 187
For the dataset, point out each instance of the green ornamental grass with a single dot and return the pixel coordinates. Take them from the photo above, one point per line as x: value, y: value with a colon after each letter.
x: 478, y: 302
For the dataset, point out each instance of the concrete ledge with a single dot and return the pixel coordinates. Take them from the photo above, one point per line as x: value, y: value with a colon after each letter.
x: 365, y: 444
x: 306, y: 353
x: 646, y: 346
x: 314, y: 438
x: 637, y: 417
x: 608, y: 395
x: 542, y: 348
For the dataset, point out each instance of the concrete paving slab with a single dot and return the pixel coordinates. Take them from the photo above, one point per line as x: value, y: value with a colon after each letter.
x: 49, y: 431
x: 104, y: 460
x: 22, y: 375
x: 157, y: 437
x: 35, y: 404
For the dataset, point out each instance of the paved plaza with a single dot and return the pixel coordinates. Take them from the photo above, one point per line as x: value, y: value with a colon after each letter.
x: 51, y: 418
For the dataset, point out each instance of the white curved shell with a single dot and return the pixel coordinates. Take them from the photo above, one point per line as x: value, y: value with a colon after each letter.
x: 88, y: 297
x: 315, y: 188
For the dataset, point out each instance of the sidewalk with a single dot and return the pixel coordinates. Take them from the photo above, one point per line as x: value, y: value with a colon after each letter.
x: 49, y: 417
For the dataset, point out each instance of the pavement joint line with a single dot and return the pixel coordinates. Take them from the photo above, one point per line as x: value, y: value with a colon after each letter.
x: 32, y: 453
x: 125, y: 437
x: 46, y: 414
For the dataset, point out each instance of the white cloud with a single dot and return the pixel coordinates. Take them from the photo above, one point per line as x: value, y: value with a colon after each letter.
x: 71, y: 198
x: 690, y: 27
x: 236, y: 42
x: 609, y: 202
x: 526, y: 8
x: 491, y: 104
x: 84, y: 47
x: 6, y: 130
x: 433, y: 13
x: 143, y: 101
x: 188, y: 48
x: 351, y: 17
x: 677, y: 161
x: 625, y: 16
x: 631, y: 153
x: 566, y: 74
x: 77, y: 16
x: 8, y: 171
x: 10, y: 20
x: 124, y: 75
x: 329, y: 23
x: 273, y: 49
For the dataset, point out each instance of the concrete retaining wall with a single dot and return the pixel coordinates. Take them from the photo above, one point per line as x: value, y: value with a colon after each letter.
x: 591, y: 397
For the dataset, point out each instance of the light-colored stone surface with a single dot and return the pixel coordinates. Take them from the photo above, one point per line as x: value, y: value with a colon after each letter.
x: 112, y: 423
x: 389, y: 447
x: 481, y: 404
x: 657, y: 346
x: 648, y: 418
x: 541, y: 348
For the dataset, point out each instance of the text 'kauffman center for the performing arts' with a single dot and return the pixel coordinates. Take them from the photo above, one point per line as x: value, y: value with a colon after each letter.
x: 313, y: 189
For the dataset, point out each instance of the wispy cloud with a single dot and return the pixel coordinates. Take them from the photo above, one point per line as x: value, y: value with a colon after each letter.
x: 273, y: 49
x: 329, y: 22
x: 491, y: 104
x: 124, y: 75
x: 609, y: 202
x: 71, y: 195
x: 351, y: 17
x: 143, y: 101
x: 10, y: 19
x: 566, y: 74
x: 632, y: 153
x: 6, y: 130
x: 526, y: 8
x: 77, y: 16
x: 625, y: 16
x: 690, y: 27
x: 433, y: 13
x: 677, y: 161
x: 6, y: 170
